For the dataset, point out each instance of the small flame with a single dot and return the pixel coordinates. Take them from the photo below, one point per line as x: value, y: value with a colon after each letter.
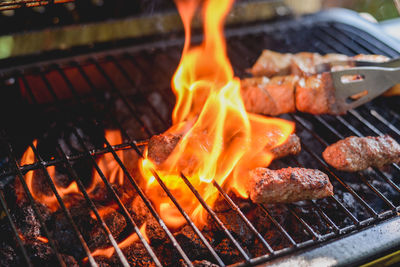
x: 104, y: 211
x: 225, y: 141
x: 106, y: 162
x: 43, y: 239
x: 108, y: 252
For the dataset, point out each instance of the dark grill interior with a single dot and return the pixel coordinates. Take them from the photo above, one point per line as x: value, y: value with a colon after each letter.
x: 67, y: 105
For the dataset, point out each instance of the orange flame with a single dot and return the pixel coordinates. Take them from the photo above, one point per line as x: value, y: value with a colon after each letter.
x: 108, y: 252
x: 106, y: 162
x: 43, y: 239
x: 225, y: 141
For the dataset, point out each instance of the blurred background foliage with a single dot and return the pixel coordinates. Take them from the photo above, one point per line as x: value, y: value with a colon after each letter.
x: 379, y: 9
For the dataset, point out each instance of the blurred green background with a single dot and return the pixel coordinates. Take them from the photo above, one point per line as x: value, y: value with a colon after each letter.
x: 379, y: 9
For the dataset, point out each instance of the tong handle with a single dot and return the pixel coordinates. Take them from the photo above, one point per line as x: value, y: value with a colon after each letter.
x: 375, y: 80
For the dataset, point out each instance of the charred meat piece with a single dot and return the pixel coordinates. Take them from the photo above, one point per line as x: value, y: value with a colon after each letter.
x: 287, y: 185
x: 359, y: 153
x: 269, y: 96
x: 161, y: 146
x: 304, y: 64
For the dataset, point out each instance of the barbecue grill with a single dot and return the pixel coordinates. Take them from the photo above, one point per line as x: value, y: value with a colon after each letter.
x: 68, y: 99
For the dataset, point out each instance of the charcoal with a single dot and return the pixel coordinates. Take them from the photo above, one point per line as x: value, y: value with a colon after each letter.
x: 69, y: 260
x: 139, y: 211
x: 98, y: 238
x: 198, y: 263
x: 228, y: 253
x: 8, y: 256
x: 27, y: 221
x: 136, y: 254
x: 221, y: 204
x: 101, y: 262
x: 64, y: 234
x: 235, y: 225
x: 154, y: 232
x: 286, y: 220
x: 270, y: 233
x: 191, y: 243
x: 39, y: 252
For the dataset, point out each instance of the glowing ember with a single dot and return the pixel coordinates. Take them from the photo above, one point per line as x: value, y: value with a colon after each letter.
x: 224, y: 141
x: 108, y: 252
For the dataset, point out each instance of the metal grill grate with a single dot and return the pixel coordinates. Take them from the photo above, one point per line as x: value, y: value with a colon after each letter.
x: 129, y: 91
x: 7, y: 5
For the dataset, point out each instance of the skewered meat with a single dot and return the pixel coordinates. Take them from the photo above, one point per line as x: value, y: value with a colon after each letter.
x: 359, y: 153
x: 284, y: 94
x: 287, y: 185
x: 269, y: 96
x: 161, y: 146
x: 272, y: 63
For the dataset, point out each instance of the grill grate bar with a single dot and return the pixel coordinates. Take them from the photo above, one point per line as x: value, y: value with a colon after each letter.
x: 215, y: 218
x: 248, y: 223
x: 126, y: 75
x: 366, y: 39
x: 279, y: 226
x: 344, y: 41
x: 131, y: 108
x: 14, y: 229
x: 149, y: 78
x: 374, y: 113
x: 314, y: 204
x: 189, y: 221
x: 307, y: 227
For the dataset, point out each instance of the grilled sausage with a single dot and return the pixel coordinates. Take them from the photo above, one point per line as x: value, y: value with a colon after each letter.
x: 358, y: 153
x: 287, y: 185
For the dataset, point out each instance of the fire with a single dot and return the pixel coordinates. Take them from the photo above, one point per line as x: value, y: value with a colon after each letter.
x: 108, y: 252
x: 106, y: 162
x: 224, y: 141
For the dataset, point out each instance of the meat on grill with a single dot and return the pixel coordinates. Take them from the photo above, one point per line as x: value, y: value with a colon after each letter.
x: 287, y: 185
x: 161, y: 146
x: 269, y: 96
x: 284, y: 94
x: 359, y: 153
x: 301, y: 88
x: 272, y: 63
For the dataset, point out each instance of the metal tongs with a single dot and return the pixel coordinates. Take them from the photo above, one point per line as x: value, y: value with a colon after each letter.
x: 366, y: 80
